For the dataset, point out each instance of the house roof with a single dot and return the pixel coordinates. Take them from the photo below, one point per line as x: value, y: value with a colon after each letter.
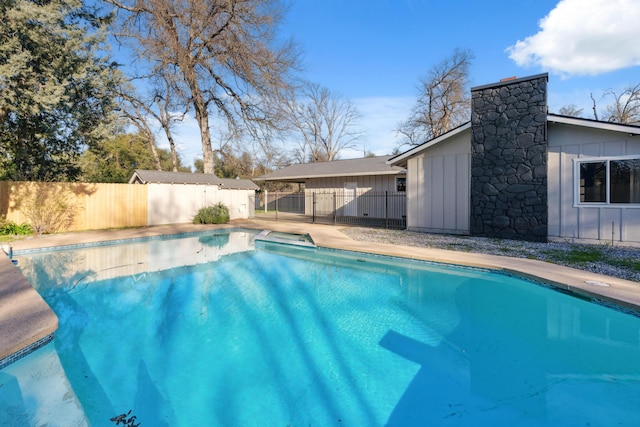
x: 350, y: 167
x: 149, y: 176
x: 401, y: 159
x: 595, y: 124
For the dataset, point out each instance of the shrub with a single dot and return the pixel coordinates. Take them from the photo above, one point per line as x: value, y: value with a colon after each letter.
x: 11, y: 228
x: 49, y: 209
x: 216, y: 214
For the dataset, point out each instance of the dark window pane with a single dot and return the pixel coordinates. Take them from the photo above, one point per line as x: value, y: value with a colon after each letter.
x: 625, y: 181
x: 401, y: 184
x: 593, y: 185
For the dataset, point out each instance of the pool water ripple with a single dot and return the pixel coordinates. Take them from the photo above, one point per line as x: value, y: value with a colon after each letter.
x: 222, y: 332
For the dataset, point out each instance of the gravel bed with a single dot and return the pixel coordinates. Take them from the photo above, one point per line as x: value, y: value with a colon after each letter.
x: 611, y: 260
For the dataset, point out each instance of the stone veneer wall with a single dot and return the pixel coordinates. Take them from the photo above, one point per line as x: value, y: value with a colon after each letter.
x: 509, y: 159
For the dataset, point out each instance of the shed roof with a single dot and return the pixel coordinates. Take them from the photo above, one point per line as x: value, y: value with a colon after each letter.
x: 350, y: 167
x: 142, y: 176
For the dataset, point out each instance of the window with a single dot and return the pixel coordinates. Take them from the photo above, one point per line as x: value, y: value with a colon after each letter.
x: 401, y: 185
x: 593, y: 182
x: 610, y: 181
x: 625, y: 181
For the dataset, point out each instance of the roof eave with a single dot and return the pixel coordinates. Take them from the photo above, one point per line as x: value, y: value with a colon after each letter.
x: 401, y: 159
x: 135, y: 175
x: 303, y: 178
x: 595, y: 124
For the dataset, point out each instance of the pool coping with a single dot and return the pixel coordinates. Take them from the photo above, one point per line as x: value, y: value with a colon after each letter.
x: 620, y: 293
x: 27, y: 322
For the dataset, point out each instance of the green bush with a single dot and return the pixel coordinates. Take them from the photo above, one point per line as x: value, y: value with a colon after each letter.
x: 11, y: 228
x: 216, y: 214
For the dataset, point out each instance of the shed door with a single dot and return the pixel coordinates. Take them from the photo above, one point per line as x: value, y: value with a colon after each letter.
x: 350, y: 202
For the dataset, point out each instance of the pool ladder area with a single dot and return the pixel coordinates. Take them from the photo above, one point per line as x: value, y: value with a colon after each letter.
x: 8, y: 250
x: 284, y: 238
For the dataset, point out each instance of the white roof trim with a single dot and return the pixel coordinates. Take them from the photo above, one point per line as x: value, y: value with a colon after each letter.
x: 418, y: 149
x: 596, y: 124
x: 552, y: 118
x: 135, y: 177
x: 330, y: 175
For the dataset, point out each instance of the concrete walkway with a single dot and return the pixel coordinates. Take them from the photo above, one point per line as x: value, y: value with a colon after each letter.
x: 25, y: 318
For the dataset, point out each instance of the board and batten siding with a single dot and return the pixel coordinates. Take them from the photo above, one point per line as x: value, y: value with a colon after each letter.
x: 567, y: 220
x: 376, y: 183
x: 179, y: 203
x: 366, y: 199
x: 438, y: 185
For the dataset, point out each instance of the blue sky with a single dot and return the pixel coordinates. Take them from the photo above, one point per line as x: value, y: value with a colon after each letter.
x: 374, y: 52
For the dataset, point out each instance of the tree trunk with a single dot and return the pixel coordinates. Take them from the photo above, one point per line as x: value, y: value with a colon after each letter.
x: 172, y: 146
x: 156, y: 157
x: 202, y: 117
x: 152, y: 143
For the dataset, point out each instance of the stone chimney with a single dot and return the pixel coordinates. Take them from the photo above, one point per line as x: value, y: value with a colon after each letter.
x: 509, y: 159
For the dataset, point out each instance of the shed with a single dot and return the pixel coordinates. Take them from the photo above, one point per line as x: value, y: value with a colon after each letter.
x: 141, y: 176
x: 175, y: 197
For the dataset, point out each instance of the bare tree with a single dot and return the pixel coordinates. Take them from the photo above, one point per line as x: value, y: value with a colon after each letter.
x: 444, y: 101
x: 325, y: 122
x: 137, y: 113
x: 163, y: 111
x: 570, y: 110
x: 158, y: 106
x: 594, y: 107
x: 221, y: 55
x: 625, y: 106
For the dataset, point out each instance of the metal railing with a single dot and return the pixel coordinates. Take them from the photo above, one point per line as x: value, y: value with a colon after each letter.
x: 368, y: 208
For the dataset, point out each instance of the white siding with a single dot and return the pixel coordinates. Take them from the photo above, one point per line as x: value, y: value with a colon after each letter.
x: 376, y: 183
x: 365, y: 186
x: 438, y: 187
x: 178, y: 203
x: 568, y: 221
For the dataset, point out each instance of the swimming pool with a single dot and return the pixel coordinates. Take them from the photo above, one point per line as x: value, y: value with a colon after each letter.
x: 220, y: 330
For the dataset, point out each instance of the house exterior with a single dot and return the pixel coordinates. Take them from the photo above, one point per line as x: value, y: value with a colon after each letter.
x: 515, y: 171
x: 175, y: 197
x: 348, y: 188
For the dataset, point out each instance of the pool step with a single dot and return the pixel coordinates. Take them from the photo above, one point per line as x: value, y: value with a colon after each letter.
x: 284, y: 238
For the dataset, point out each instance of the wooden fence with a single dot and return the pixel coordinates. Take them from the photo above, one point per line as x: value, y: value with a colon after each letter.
x: 103, y: 206
x: 93, y: 206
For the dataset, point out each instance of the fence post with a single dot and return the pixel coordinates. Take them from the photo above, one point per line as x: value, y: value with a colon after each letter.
x: 313, y: 214
x: 277, y: 206
x: 386, y: 209
x: 334, y: 207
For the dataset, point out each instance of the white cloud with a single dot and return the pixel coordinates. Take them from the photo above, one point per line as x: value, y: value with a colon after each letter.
x: 584, y: 37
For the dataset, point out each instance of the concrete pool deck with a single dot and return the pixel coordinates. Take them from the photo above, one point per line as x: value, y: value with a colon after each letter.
x: 26, y: 319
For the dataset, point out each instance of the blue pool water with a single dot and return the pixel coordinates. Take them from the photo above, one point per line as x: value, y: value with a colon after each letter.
x: 214, y: 330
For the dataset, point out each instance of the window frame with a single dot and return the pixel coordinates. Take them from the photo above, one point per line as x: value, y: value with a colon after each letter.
x: 577, y: 162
